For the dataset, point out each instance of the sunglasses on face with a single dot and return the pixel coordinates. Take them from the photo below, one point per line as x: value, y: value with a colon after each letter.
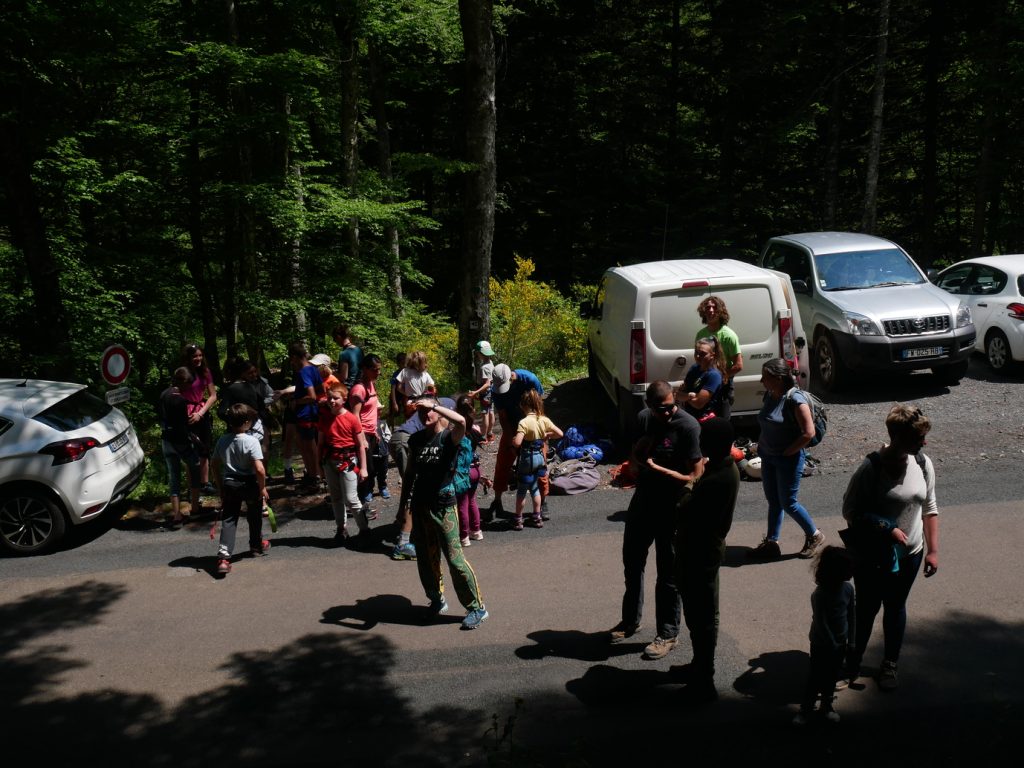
x: 663, y: 407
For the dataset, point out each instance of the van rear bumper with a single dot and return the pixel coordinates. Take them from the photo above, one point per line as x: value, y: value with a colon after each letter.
x: 904, y: 353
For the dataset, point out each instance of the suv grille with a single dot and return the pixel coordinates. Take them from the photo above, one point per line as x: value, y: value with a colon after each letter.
x: 917, y: 325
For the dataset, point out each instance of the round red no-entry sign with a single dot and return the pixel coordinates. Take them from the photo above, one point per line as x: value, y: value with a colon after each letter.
x: 115, y: 365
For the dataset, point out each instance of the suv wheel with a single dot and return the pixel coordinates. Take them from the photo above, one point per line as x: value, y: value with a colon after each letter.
x: 829, y: 368
x: 997, y: 351
x: 30, y: 522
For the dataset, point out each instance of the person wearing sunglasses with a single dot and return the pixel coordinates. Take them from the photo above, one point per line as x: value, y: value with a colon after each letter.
x: 667, y: 460
x: 701, y: 393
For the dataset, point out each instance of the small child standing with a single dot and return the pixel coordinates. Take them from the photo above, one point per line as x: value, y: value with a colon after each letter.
x: 483, y: 368
x: 414, y: 381
x: 833, y: 625
x: 469, y: 510
x: 343, y: 458
x: 241, y: 477
x: 535, y: 429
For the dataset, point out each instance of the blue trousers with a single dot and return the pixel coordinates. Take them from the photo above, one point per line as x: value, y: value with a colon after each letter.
x: 780, y: 477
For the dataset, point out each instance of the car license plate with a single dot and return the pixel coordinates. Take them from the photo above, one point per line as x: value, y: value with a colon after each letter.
x: 118, y: 443
x: 922, y: 352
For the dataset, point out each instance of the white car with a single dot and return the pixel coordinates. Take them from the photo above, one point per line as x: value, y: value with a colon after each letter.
x: 993, y: 287
x: 65, y: 456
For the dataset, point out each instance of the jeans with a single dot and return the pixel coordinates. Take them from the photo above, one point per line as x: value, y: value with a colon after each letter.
x: 876, y: 588
x: 174, y: 458
x: 651, y: 519
x: 780, y: 476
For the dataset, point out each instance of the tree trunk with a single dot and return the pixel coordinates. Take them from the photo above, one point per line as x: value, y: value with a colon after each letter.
x: 929, y: 166
x: 49, y: 342
x: 835, y: 119
x: 870, y: 218
x: 195, y: 261
x: 378, y: 84
x: 346, y: 22
x: 481, y: 182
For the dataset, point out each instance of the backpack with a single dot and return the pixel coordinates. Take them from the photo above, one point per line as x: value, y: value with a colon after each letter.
x: 574, y: 476
x: 819, y: 414
x: 463, y: 461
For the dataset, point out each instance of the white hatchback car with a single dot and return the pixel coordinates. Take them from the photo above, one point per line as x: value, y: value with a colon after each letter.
x: 993, y: 287
x: 65, y: 456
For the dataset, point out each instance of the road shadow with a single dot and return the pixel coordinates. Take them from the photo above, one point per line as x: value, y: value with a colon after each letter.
x: 321, y: 699
x: 574, y: 644
x: 367, y: 613
x: 737, y: 556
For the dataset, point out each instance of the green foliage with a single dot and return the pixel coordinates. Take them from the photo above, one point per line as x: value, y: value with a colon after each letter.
x: 534, y: 327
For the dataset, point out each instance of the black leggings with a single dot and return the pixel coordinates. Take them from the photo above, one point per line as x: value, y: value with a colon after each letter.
x: 877, y: 588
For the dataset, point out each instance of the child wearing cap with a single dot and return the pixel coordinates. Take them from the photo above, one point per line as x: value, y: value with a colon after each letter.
x: 483, y: 367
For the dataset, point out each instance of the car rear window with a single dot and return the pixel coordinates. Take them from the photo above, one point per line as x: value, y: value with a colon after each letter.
x: 674, y: 319
x: 79, y: 410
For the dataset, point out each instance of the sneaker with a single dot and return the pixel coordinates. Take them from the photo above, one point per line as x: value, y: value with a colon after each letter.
x: 622, y: 631
x: 261, y: 550
x: 368, y: 498
x: 811, y: 544
x: 464, y: 541
x: 385, y: 493
x: 537, y: 522
x: 887, y: 676
x: 518, y: 524
x: 659, y: 648
x: 289, y: 476
x: 544, y: 510
x: 475, y: 618
x: 371, y: 514
x: 831, y: 716
x: 405, y: 551
x: 766, y: 550
x: 477, y: 535
x: 208, y: 490
x: 438, y: 607
x: 223, y: 567
x: 321, y: 484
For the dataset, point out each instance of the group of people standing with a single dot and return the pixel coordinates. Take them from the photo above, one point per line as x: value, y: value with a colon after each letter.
x: 686, y: 488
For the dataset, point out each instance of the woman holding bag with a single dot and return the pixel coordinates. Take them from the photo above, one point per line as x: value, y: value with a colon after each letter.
x: 892, y: 493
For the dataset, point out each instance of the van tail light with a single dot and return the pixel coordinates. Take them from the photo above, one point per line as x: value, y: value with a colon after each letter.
x: 1016, y: 311
x: 67, y: 451
x: 637, y: 354
x: 787, y: 346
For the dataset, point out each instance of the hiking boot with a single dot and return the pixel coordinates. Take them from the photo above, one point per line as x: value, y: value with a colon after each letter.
x: 766, y: 550
x: 223, y: 567
x: 405, y: 551
x: 659, y: 648
x: 517, y: 525
x: 475, y: 618
x: 261, y: 550
x: 537, y: 522
x: 289, y: 476
x: 887, y: 676
x: 811, y: 544
x: 544, y: 510
x: 622, y: 631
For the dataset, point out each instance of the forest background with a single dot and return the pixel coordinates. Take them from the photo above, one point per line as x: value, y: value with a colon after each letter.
x: 243, y: 173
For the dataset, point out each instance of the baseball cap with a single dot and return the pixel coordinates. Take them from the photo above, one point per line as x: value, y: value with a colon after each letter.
x: 320, y: 359
x: 501, y: 378
x: 484, y: 348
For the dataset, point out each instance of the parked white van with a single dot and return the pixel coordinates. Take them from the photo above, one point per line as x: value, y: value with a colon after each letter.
x: 644, y: 319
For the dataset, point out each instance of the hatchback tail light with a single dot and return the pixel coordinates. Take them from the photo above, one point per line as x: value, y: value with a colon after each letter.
x: 787, y: 347
x: 1016, y: 311
x: 637, y: 354
x: 67, y: 451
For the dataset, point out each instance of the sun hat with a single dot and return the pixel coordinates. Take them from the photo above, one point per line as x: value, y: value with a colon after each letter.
x: 501, y: 378
x: 320, y: 359
x: 484, y: 348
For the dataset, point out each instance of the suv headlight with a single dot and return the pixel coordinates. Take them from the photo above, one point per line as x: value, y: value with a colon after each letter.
x: 963, y: 316
x: 860, y: 325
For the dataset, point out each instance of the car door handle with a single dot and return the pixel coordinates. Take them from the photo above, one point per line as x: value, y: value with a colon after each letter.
x: 982, y: 304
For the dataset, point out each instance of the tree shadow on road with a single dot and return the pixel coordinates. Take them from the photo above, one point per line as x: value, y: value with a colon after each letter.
x: 322, y: 699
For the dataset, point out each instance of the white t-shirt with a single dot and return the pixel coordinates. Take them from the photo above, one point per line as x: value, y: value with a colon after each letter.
x: 414, y: 383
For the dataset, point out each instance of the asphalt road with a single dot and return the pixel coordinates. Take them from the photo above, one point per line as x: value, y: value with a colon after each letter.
x: 126, y: 649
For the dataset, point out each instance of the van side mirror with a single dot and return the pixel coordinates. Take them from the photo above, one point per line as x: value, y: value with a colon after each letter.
x: 932, y: 274
x: 800, y: 342
x: 586, y: 309
x: 801, y: 286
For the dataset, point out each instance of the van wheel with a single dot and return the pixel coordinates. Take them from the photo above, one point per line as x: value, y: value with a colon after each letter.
x: 829, y: 368
x: 30, y: 523
x: 950, y: 375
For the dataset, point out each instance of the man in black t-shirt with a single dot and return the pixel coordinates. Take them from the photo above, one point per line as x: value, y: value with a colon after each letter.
x: 667, y: 459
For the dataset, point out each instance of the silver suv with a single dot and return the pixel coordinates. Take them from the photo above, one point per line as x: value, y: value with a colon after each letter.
x: 868, y: 306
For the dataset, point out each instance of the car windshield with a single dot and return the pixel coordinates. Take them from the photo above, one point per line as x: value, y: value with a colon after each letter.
x: 865, y: 269
x: 71, y: 413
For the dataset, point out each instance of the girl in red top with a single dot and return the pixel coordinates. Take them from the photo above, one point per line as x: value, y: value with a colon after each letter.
x: 343, y: 457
